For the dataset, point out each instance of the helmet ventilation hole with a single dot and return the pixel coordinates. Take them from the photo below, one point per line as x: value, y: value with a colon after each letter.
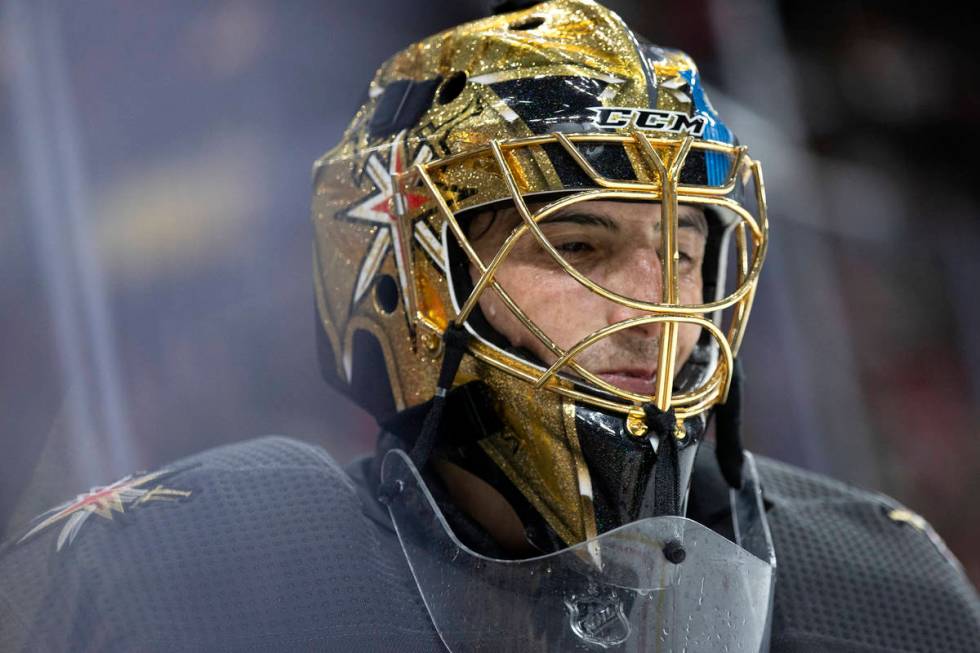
x: 452, y: 87
x: 386, y: 295
x: 529, y: 24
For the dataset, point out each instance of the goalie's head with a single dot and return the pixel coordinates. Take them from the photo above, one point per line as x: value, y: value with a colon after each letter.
x: 564, y: 192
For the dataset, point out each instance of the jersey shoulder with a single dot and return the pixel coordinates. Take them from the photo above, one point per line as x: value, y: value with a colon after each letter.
x: 857, y: 571
x: 261, y: 544
x: 203, y: 492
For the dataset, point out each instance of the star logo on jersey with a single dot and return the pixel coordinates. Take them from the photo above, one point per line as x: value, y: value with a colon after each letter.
x: 133, y: 491
x: 384, y: 208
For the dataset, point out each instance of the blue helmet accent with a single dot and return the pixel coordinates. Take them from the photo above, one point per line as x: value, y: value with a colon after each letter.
x: 718, y: 165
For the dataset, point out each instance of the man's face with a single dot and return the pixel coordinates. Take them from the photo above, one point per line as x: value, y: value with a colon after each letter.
x: 617, y: 245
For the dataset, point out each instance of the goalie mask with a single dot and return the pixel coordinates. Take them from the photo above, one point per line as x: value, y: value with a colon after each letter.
x: 562, y: 195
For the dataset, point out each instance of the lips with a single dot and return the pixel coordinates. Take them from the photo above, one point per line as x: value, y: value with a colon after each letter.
x: 637, y: 381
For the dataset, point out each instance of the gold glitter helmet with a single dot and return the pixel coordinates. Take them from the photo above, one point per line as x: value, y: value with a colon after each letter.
x: 537, y: 110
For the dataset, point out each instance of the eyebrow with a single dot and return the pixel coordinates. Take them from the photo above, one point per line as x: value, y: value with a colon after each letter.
x: 684, y: 220
x: 590, y: 219
x: 694, y: 221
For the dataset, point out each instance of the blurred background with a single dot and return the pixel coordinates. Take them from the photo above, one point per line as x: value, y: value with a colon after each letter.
x: 155, y: 268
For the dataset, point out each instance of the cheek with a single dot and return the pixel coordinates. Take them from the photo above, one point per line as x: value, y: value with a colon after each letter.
x: 687, y: 338
x: 556, y: 303
x: 690, y: 288
x: 691, y: 291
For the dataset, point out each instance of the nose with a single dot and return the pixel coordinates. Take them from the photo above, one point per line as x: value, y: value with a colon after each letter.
x: 639, y: 275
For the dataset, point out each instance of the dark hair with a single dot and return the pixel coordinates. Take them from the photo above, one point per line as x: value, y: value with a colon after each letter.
x: 468, y: 221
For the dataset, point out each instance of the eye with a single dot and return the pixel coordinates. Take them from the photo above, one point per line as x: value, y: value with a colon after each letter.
x: 574, y: 247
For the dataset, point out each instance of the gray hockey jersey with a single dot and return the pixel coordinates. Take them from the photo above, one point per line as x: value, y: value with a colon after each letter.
x: 270, y: 545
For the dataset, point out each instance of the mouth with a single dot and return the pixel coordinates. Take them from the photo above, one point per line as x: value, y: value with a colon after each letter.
x: 637, y: 381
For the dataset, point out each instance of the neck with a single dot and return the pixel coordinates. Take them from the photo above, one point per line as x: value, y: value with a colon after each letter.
x: 486, y: 506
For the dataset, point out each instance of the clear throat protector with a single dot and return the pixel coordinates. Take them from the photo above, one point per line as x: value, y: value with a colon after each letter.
x: 664, y: 583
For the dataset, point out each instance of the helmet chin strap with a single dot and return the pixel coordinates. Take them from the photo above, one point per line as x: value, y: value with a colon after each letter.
x: 663, y: 496
x: 728, y: 431
x: 455, y: 340
x: 666, y: 493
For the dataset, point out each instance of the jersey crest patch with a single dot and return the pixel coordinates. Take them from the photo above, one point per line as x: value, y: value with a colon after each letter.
x: 126, y: 494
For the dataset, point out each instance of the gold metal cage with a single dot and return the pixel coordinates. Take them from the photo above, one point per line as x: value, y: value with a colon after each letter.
x: 662, y: 158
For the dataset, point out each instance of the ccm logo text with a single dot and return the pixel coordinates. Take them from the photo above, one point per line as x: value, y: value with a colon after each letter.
x: 669, y: 121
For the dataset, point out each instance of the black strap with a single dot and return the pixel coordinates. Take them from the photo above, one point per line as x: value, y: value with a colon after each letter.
x: 455, y: 340
x: 728, y: 431
x: 666, y: 491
